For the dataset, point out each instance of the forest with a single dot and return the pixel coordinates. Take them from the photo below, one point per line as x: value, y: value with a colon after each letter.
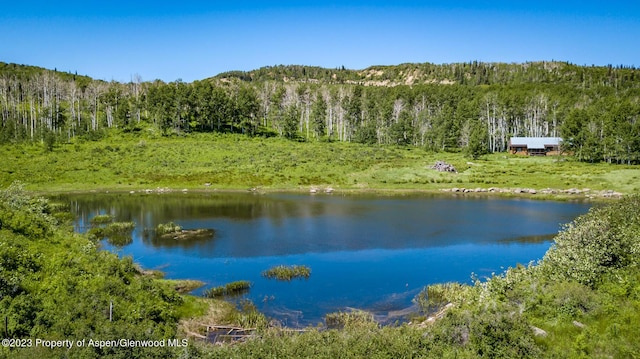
x: 474, y: 107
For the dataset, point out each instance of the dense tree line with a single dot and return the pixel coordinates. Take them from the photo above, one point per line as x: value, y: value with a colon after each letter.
x: 473, y: 106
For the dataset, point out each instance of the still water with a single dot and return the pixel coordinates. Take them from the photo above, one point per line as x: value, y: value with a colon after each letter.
x: 372, y: 253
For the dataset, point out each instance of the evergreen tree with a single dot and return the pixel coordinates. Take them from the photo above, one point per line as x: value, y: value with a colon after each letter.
x: 478, y: 142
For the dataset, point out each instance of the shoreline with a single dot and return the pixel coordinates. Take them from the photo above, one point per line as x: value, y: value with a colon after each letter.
x: 551, y: 194
x: 557, y: 195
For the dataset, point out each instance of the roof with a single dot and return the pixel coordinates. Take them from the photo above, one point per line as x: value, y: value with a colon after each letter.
x: 535, y: 142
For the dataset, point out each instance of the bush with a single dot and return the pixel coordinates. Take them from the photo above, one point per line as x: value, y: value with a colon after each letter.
x: 434, y: 297
x: 63, y: 287
x: 23, y: 214
x: 596, y: 243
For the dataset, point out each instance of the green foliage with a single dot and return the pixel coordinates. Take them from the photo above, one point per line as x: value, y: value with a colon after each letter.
x: 24, y: 214
x: 167, y: 228
x: 246, y: 316
x: 478, y: 145
x: 63, y: 287
x: 230, y: 289
x: 101, y: 219
x: 597, y: 243
x: 350, y: 320
x: 287, y: 273
x: 498, y: 334
x: 229, y: 161
x: 434, y: 297
x: 117, y: 233
x: 473, y: 106
x: 49, y: 141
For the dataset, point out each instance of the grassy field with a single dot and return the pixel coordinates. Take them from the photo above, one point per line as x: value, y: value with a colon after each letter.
x: 236, y: 162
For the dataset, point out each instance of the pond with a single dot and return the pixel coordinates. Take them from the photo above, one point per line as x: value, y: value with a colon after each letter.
x: 366, y: 252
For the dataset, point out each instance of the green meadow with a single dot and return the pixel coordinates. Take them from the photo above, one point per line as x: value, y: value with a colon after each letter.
x: 125, y: 161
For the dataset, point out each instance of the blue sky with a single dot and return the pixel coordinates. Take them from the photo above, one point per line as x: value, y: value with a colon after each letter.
x: 192, y: 40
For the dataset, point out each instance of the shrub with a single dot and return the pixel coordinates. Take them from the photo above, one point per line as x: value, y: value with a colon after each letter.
x: 434, y: 297
x: 596, y: 243
x: 23, y: 214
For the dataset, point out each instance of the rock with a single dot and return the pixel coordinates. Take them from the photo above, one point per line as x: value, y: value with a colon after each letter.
x: 443, y: 167
x: 578, y: 324
x: 532, y: 191
x: 328, y: 190
x: 538, y: 332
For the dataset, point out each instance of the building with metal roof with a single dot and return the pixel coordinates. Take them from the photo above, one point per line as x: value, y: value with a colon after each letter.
x: 535, y: 146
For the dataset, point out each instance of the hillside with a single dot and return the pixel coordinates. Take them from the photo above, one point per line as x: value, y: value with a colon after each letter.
x: 471, y: 107
x: 471, y: 73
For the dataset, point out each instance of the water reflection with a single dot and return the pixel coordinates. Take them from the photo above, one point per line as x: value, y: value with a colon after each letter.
x: 364, y: 251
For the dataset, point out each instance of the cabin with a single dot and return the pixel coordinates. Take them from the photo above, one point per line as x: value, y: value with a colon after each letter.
x: 535, y: 146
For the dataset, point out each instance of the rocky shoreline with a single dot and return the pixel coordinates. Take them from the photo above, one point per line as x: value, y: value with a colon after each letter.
x: 585, y: 192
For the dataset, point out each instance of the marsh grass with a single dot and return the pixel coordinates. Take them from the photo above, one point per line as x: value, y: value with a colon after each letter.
x: 116, y: 233
x: 236, y: 288
x: 183, y: 285
x: 287, y: 273
x: 350, y: 320
x: 101, y: 219
x: 119, y: 228
x: 167, y: 228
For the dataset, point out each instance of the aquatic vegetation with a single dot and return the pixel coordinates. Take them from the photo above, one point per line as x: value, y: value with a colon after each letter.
x: 351, y: 319
x: 119, y: 228
x: 116, y: 233
x: 230, y: 289
x: 101, y: 219
x: 167, y: 228
x: 287, y: 273
x: 183, y: 285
